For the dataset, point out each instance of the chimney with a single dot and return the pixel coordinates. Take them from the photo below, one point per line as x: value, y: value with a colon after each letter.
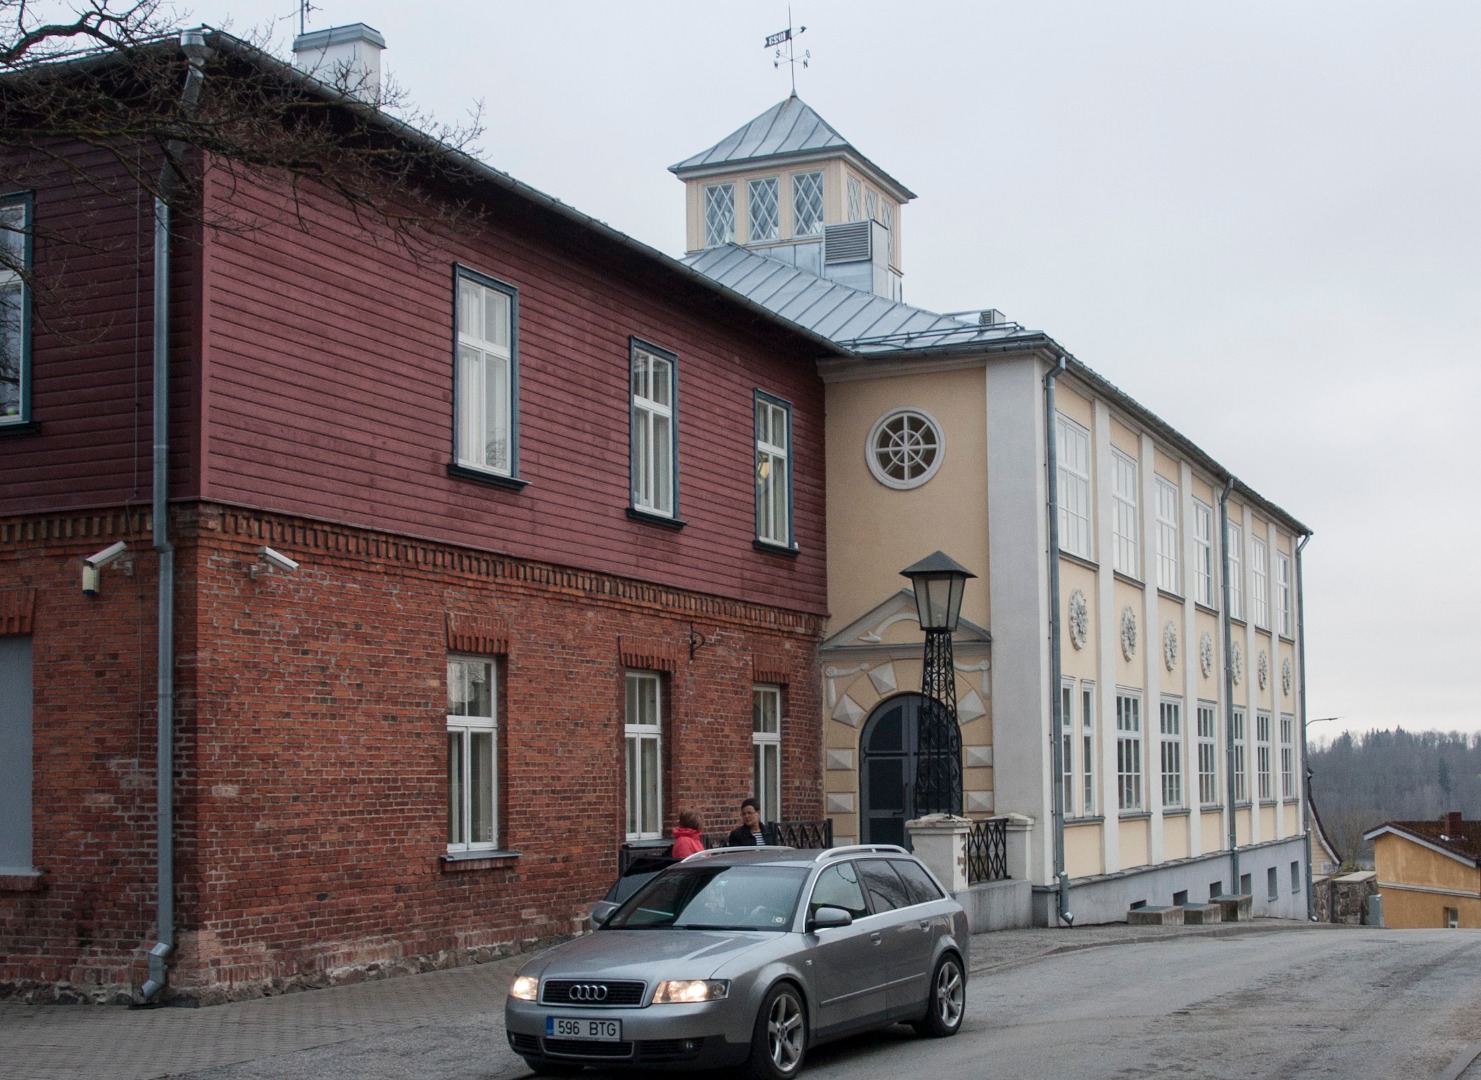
x: 345, y: 57
x: 1453, y: 821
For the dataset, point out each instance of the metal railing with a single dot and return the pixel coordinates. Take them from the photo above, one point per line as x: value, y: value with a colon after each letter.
x: 987, y: 851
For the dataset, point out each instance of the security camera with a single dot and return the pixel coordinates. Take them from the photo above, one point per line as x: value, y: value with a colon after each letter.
x: 111, y: 553
x: 278, y: 559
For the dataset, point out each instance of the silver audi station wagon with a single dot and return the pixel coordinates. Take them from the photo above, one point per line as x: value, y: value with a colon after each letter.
x: 747, y: 956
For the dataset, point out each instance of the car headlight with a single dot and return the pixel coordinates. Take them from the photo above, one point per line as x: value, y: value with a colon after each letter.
x: 524, y: 987
x: 688, y: 991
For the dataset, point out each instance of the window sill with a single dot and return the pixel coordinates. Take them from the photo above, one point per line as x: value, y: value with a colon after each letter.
x: 1092, y: 819
x: 458, y: 861
x: 634, y: 514
x: 1176, y: 811
x: 25, y: 881
x: 1127, y: 579
x: 463, y: 472
x: 1079, y: 560
x: 1135, y: 815
x: 1207, y: 609
x: 776, y: 549
x: 1168, y: 594
x: 20, y: 427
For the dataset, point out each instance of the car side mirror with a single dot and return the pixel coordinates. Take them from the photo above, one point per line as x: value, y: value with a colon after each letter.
x: 601, y: 911
x: 828, y: 918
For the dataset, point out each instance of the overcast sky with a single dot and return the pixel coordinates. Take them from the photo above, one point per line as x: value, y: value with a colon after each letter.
x: 1260, y: 219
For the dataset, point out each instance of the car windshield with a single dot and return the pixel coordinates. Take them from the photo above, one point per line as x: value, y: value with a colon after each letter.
x: 714, y: 898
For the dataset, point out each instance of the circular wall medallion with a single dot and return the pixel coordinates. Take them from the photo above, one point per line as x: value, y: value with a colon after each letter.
x: 1079, y: 619
x: 1128, y: 633
x: 1285, y: 676
x: 1206, y: 654
x: 905, y: 448
x: 1236, y: 661
x: 1262, y: 669
x: 1170, y: 646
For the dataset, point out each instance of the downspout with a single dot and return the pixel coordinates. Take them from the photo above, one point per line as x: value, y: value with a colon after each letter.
x: 193, y: 44
x: 1056, y: 662
x: 1228, y: 635
x: 1301, y: 704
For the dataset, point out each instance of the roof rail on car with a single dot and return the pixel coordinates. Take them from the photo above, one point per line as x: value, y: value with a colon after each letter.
x: 709, y: 852
x: 856, y: 849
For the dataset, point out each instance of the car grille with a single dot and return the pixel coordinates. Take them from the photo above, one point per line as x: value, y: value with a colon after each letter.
x: 592, y: 993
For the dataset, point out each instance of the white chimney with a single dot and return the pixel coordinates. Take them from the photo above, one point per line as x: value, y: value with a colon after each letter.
x: 346, y: 57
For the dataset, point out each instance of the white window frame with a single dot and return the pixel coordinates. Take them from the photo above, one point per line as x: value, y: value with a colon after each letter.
x: 487, y: 374
x: 807, y: 203
x: 465, y: 731
x: 1265, y: 778
x: 1072, y: 445
x: 1288, y: 755
x: 1067, y: 731
x: 773, y: 471
x: 1283, y: 610
x: 1169, y: 540
x: 906, y: 448
x: 642, y: 733
x: 1129, y: 770
x: 1087, y: 745
x: 1170, y: 717
x: 1240, y: 748
x: 1125, y: 520
x: 1203, y: 553
x: 766, y: 748
x: 770, y: 216
x: 1208, y: 754
x: 1260, y: 582
x: 15, y: 238
x: 719, y: 214
x: 1233, y: 552
x: 655, y: 430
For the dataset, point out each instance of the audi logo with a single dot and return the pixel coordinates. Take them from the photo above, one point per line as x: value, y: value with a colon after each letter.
x: 588, y: 992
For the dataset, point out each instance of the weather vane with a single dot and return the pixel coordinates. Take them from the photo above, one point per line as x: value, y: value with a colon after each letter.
x: 786, y: 37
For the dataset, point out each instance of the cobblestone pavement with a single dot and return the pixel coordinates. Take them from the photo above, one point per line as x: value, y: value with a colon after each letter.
x: 83, y: 1042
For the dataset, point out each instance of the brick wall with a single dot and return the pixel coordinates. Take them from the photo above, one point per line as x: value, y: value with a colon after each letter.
x: 311, y: 750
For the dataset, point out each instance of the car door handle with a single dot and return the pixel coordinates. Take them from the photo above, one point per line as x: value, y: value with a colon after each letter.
x: 875, y: 937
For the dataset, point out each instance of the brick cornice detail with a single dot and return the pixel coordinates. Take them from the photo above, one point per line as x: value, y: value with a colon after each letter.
x: 17, y: 611
x: 770, y: 668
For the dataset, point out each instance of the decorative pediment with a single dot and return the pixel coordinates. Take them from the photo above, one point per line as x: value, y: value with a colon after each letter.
x: 892, y: 626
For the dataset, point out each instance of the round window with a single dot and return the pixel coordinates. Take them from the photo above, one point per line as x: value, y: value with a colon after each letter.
x: 905, y: 448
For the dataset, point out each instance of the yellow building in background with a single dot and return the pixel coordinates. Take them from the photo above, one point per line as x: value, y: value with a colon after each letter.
x: 1429, y: 872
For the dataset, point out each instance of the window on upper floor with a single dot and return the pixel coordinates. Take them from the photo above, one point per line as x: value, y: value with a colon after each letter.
x: 487, y: 374
x: 1263, y: 775
x: 1171, y: 718
x: 1203, y: 553
x: 1087, y: 745
x: 472, y: 754
x: 773, y: 471
x: 643, y: 739
x: 1072, y: 446
x: 1241, y: 757
x: 15, y: 310
x: 887, y: 219
x: 1288, y: 755
x: 1234, y: 556
x: 871, y: 204
x: 766, y: 749
x: 905, y: 449
x: 1283, y: 609
x: 655, y: 461
x: 719, y: 211
x: 1260, y: 582
x: 762, y: 208
x: 1125, y: 528
x: 807, y: 203
x: 855, y: 199
x: 1169, y: 571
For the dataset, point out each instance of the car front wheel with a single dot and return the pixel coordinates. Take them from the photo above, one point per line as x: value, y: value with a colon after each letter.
x: 780, y: 1040
x: 947, y: 1002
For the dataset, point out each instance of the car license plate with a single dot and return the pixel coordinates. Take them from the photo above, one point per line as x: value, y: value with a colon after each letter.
x: 560, y: 1027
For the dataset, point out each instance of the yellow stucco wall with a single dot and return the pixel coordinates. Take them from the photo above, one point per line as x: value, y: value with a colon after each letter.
x: 1136, y: 842
x: 1082, y: 849
x: 865, y: 559
x: 1175, y: 837
x: 1418, y: 884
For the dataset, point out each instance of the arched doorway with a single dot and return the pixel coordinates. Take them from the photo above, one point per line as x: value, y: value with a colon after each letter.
x: 887, y: 770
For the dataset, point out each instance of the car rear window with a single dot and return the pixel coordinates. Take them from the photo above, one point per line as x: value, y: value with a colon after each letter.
x: 886, y: 890
x: 923, y: 888
x: 708, y: 897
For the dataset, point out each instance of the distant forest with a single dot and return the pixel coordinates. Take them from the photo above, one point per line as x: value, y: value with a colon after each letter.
x: 1360, y: 781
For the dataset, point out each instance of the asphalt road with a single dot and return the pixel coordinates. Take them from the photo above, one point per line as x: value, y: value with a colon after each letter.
x: 1396, y: 1005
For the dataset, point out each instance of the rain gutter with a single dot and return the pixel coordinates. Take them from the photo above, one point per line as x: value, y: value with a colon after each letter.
x: 192, y: 43
x: 1301, y: 704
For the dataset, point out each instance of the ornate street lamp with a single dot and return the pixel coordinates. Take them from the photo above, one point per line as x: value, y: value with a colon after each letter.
x: 938, y: 582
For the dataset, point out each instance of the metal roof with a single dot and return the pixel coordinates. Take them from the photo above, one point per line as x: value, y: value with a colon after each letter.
x: 859, y: 321
x: 788, y: 129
